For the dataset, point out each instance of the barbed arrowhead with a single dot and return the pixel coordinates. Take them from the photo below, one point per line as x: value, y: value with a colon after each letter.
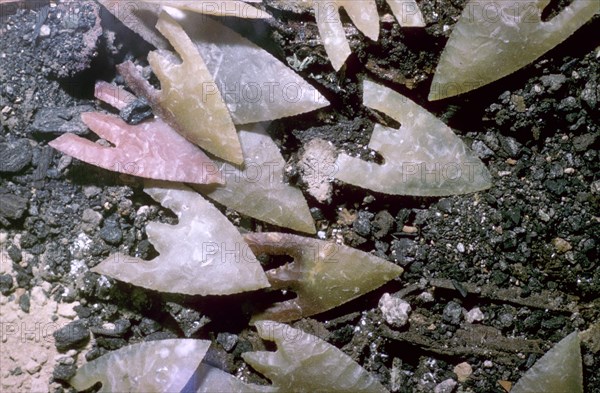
x: 203, y: 254
x: 323, y: 274
x: 493, y: 39
x: 154, y: 366
x: 422, y: 158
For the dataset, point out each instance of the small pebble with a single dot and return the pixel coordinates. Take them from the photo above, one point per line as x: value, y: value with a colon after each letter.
x: 452, y: 313
x: 33, y: 367
x: 227, y: 340
x: 446, y: 386
x: 553, y: 81
x: 561, y: 245
x: 394, y: 310
x: 91, y: 216
x: 44, y: 31
x: 543, y: 216
x: 463, y: 371
x: 409, y: 229
x: 425, y: 297
x: 368, y: 199
x: 595, y: 187
x: 63, y: 163
x: 91, y: 191
x: 474, y: 315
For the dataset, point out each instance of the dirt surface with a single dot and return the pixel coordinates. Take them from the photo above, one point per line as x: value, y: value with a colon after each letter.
x: 493, y: 279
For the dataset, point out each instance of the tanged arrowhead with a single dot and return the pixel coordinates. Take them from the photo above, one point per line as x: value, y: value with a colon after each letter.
x: 323, y: 274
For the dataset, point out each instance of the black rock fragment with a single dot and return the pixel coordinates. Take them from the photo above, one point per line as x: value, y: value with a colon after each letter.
x: 14, y: 253
x: 482, y: 150
x: 445, y: 205
x: 189, y: 320
x: 511, y: 147
x: 557, y: 187
x: 382, y: 224
x: 404, y: 251
x: 12, y: 206
x: 25, y: 303
x: 73, y: 335
x: 110, y: 343
x: 362, y: 224
x: 583, y: 142
x: 149, y: 326
x: 136, y: 112
x: 15, y: 156
x: 452, y: 313
x: 227, y: 340
x: 111, y: 233
x: 64, y: 372
x: 28, y: 240
x: 6, y: 284
x: 60, y: 120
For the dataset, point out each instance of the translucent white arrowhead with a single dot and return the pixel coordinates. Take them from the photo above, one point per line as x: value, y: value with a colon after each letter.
x: 155, y: 366
x: 364, y: 15
x: 211, y: 380
x: 407, y: 13
x: 141, y: 16
x: 493, y: 39
x: 203, y: 254
x: 257, y: 189
x: 559, y: 370
x: 424, y: 157
x: 362, y: 12
x: 306, y: 363
x: 239, y: 9
x: 255, y: 85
